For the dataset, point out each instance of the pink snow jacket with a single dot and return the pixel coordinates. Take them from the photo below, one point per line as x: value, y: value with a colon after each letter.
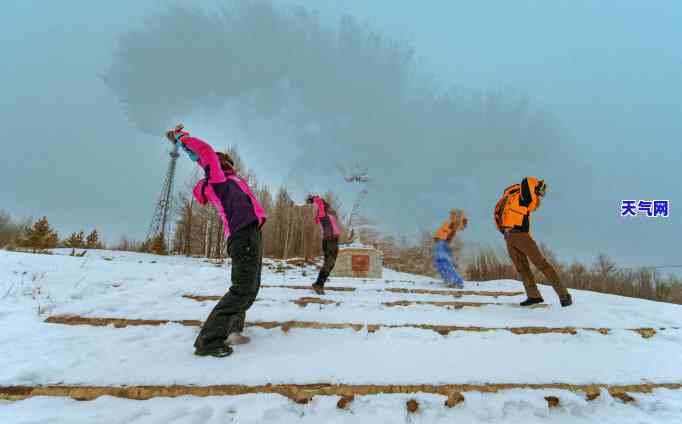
x: 326, y: 221
x: 230, y: 195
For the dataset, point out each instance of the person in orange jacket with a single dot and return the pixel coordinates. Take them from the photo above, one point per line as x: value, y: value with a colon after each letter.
x: 512, y: 217
x: 443, y: 258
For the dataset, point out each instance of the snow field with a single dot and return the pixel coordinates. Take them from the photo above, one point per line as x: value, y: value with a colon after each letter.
x: 137, y: 286
x: 511, y: 407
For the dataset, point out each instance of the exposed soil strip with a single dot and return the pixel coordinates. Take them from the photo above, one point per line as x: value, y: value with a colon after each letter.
x: 458, y: 293
x: 454, y: 293
x: 116, y: 322
x: 458, y: 305
x: 305, y: 301
x: 303, y: 393
x: 302, y: 302
x: 371, y: 328
x: 296, y: 287
x: 200, y: 298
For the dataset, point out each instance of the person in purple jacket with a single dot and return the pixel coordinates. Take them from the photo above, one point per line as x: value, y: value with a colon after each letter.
x: 242, y: 218
x: 330, y: 239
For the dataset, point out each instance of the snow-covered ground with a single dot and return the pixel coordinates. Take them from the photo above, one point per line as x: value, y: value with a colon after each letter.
x: 129, y: 285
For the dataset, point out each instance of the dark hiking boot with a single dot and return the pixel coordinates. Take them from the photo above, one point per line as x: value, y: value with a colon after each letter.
x: 531, y: 301
x: 319, y: 289
x: 218, y: 352
x: 566, y: 301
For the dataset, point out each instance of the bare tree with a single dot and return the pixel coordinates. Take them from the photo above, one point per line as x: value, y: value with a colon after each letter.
x: 9, y: 230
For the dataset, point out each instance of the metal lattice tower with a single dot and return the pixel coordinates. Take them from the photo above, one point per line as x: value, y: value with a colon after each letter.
x: 355, y: 211
x: 355, y: 175
x: 164, y: 207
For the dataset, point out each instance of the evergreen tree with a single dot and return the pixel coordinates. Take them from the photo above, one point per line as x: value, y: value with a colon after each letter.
x: 92, y: 241
x: 158, y: 245
x: 75, y: 240
x: 39, y: 236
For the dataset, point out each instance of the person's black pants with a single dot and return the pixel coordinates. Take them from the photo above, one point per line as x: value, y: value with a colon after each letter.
x: 330, y: 247
x: 228, y: 316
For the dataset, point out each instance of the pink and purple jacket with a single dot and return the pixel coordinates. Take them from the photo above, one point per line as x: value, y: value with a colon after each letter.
x: 231, y: 196
x: 327, y: 222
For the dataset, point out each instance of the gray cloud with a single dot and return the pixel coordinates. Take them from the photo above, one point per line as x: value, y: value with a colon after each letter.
x: 343, y: 93
x: 587, y: 103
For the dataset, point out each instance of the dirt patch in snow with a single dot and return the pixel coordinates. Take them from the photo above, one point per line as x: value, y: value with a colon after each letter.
x: 454, y: 399
x: 116, y: 322
x: 305, y: 301
x: 371, y: 328
x: 200, y: 298
x: 301, y: 262
x: 304, y: 393
x: 552, y: 401
x: 295, y: 287
x: 345, y: 401
x: 454, y: 293
x: 457, y: 305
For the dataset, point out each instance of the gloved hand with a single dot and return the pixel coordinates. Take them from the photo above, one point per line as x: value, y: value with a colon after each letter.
x: 541, y: 188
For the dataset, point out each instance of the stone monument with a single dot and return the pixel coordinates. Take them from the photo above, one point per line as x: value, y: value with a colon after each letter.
x: 358, y: 261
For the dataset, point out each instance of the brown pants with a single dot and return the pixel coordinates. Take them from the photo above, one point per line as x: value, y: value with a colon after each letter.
x: 522, y: 247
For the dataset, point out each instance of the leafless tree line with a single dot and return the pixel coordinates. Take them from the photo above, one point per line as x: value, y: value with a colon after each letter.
x: 603, y: 276
x: 290, y: 230
x: 485, y: 264
x: 10, y: 229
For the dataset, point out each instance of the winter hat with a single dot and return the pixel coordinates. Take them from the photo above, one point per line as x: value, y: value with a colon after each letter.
x: 460, y: 218
x: 172, y: 134
x: 456, y: 212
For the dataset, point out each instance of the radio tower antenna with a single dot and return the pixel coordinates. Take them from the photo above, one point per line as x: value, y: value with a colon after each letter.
x: 358, y: 175
x: 163, y: 212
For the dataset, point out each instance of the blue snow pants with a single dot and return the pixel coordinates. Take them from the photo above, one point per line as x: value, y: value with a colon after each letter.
x: 444, y: 263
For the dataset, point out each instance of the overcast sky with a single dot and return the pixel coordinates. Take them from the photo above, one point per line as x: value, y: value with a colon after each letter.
x: 610, y: 72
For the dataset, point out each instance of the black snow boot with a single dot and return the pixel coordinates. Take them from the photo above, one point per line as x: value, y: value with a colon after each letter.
x: 319, y: 288
x: 532, y: 301
x: 218, y: 352
x: 566, y: 301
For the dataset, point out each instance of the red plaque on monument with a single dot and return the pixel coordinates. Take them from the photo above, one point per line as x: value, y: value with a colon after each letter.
x: 360, y: 263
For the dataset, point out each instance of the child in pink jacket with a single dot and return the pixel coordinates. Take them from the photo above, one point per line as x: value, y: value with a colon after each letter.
x: 330, y: 239
x: 243, y: 218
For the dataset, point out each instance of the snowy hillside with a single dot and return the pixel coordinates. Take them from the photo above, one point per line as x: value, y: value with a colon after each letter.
x: 606, y: 359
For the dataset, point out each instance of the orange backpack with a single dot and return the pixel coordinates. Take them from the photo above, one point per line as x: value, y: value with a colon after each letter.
x: 508, y: 212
